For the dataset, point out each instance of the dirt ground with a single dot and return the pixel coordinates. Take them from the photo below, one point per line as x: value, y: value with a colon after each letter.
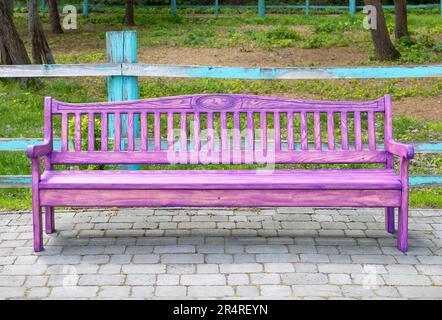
x: 255, y: 57
x: 428, y: 108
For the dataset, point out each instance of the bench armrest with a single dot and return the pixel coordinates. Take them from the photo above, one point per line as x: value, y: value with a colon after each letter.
x: 38, y: 150
x: 399, y: 149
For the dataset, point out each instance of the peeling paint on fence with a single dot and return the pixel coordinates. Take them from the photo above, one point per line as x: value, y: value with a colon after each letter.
x: 182, y: 71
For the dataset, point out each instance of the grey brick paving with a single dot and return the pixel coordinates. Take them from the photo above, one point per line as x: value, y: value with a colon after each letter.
x: 294, y: 253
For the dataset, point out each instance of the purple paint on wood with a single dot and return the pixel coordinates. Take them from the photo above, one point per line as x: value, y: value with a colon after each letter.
x: 144, y: 129
x: 104, y: 131
x: 304, y: 131
x: 130, y: 131
x: 371, y: 131
x: 91, y: 133
x: 331, y: 130
x: 317, y: 130
x: 358, y: 131
x: 290, y: 128
x: 370, y: 187
x: 277, y: 131
x: 64, y: 132
x: 77, y: 135
x: 344, y: 130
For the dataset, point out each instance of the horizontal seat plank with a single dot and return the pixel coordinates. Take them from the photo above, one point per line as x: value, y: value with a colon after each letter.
x: 325, y: 179
x: 216, y: 198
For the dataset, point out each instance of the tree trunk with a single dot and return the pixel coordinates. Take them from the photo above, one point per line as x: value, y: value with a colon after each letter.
x: 55, y: 17
x: 41, y: 53
x: 129, y: 15
x: 400, y: 14
x: 12, y: 49
x: 381, y: 39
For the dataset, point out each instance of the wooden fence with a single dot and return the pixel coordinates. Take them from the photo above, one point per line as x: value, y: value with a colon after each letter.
x: 122, y: 72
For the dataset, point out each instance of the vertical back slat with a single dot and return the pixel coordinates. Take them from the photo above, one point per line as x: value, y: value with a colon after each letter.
x: 157, y: 131
x: 250, y: 144
x: 104, y: 131
x: 236, y: 138
x: 225, y: 149
x: 130, y: 131
x: 77, y: 137
x: 263, y: 125
x: 210, y: 135
x: 344, y: 130
x: 304, y: 132
x: 170, y: 131
x: 236, y: 131
x: 144, y: 129
x: 317, y: 130
x: 290, y: 134
x: 64, y: 132
x: 91, y: 132
x: 183, y: 132
x: 196, y: 128
x: 371, y: 131
x: 117, y: 131
x: 277, y: 131
x: 331, y: 130
x: 358, y: 131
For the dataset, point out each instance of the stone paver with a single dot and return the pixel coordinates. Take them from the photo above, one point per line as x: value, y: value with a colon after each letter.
x: 150, y: 253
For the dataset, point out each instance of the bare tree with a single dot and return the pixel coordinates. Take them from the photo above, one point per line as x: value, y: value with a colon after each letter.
x: 400, y: 14
x: 129, y: 14
x: 12, y: 49
x: 55, y: 17
x: 41, y: 53
x: 384, y: 48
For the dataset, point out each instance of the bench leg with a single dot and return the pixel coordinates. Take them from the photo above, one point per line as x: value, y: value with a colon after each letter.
x: 49, y: 220
x: 37, y: 224
x: 402, y: 241
x: 389, y: 219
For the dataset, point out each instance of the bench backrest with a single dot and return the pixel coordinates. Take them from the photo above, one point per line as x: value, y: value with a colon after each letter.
x: 220, y: 128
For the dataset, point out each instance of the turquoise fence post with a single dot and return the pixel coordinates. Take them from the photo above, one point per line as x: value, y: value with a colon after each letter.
x: 121, y: 47
x: 217, y: 7
x: 352, y: 7
x: 43, y: 8
x: 262, y: 8
x: 85, y: 8
x: 307, y: 5
x: 440, y: 7
x: 173, y: 7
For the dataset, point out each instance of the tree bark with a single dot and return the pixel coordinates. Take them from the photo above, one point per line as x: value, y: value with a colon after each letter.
x: 381, y: 39
x: 41, y: 53
x: 55, y: 17
x: 129, y: 14
x: 12, y: 49
x: 400, y: 14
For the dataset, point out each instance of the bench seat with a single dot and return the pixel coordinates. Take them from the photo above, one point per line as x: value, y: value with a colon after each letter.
x: 323, y: 179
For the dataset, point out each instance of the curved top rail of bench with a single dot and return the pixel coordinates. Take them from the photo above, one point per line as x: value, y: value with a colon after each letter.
x: 220, y: 103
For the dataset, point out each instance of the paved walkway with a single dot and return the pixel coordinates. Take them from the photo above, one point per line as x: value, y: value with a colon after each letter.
x: 290, y: 253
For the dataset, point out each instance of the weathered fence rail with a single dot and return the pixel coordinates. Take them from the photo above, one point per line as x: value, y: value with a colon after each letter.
x: 182, y: 71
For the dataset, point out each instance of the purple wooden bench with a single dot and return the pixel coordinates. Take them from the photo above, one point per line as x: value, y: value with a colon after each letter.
x: 203, y: 136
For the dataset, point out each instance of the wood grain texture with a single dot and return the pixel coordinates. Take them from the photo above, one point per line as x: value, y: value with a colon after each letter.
x: 217, y: 198
x: 219, y: 179
x: 318, y: 187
